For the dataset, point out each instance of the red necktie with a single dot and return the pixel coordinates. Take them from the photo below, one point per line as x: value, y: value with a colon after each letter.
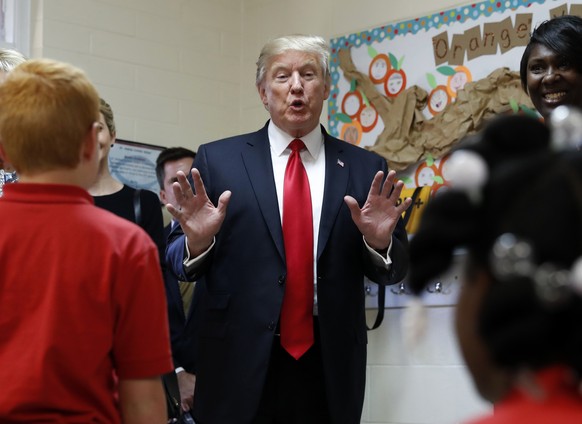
x: 297, y: 312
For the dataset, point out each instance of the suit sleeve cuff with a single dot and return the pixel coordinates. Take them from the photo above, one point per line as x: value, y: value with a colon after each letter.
x: 378, y: 258
x: 191, y: 263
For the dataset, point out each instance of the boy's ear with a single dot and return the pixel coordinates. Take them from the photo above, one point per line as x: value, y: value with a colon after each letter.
x: 3, y: 157
x: 89, y: 147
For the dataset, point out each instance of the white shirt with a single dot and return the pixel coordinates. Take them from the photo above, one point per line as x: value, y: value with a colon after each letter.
x: 313, y: 158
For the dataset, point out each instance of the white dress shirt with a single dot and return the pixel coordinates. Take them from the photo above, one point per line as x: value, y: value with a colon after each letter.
x: 313, y: 158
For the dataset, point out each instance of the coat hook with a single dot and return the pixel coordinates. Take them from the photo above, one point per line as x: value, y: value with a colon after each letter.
x: 438, y: 288
x: 371, y: 290
x: 400, y: 290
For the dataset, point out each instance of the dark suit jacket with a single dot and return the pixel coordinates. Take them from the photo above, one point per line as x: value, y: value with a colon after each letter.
x: 245, y: 278
x: 183, y: 329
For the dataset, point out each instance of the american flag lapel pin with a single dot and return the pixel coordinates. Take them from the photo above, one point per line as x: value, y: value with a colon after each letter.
x: 340, y: 163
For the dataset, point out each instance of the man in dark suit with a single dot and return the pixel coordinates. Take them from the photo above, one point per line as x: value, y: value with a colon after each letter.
x: 181, y: 296
x: 258, y: 360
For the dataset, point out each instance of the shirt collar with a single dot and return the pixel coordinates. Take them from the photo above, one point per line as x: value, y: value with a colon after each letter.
x: 279, y: 140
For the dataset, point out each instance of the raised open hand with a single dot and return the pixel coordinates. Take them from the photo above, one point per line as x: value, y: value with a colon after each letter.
x: 199, y: 218
x: 378, y: 216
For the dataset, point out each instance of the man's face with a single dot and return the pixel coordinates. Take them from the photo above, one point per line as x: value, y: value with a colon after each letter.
x: 293, y: 91
x: 170, y: 171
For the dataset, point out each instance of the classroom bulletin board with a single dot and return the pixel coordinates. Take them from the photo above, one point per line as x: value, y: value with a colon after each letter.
x: 411, y: 90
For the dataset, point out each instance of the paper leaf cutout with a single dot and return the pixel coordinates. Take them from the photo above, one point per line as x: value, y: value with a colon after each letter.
x: 429, y: 160
x: 365, y: 98
x: 406, y: 180
x: 431, y: 80
x: 529, y: 111
x: 393, y: 61
x: 342, y: 117
x: 514, y: 105
x: 400, y: 63
x: 446, y: 70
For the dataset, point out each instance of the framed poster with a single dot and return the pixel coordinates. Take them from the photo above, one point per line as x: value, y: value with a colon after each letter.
x: 134, y: 164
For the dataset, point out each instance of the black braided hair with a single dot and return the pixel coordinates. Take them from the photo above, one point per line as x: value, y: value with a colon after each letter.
x: 536, y: 194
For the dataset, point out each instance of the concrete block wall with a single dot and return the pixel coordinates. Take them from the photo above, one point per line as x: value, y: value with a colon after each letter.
x: 169, y: 68
x: 428, y: 384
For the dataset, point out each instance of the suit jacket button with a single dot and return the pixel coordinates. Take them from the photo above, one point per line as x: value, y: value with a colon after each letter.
x: 281, y: 280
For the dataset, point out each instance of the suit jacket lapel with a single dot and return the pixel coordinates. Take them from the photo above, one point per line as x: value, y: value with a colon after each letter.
x: 259, y: 166
x: 337, y: 173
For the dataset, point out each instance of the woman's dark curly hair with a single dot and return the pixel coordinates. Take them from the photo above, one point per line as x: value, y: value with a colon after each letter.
x: 536, y: 194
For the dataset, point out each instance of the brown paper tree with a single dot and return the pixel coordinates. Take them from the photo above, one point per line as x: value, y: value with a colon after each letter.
x: 408, y: 136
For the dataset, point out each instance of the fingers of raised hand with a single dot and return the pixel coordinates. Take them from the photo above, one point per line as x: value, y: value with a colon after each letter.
x: 403, y: 206
x: 376, y: 186
x: 199, y: 188
x: 182, y: 188
x: 390, y: 186
x: 397, y: 188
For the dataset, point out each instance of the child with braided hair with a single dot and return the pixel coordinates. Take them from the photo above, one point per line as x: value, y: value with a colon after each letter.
x: 515, y: 208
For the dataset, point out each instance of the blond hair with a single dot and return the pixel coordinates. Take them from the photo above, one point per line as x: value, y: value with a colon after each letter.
x: 47, y: 109
x: 312, y: 44
x: 9, y: 59
x: 107, y: 113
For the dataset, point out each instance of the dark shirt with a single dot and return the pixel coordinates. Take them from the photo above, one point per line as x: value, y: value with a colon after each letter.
x: 121, y: 204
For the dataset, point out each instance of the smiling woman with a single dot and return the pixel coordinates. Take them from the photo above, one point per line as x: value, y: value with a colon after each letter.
x: 551, y: 65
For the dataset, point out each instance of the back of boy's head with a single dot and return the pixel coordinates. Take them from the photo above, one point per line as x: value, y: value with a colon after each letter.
x: 47, y: 110
x: 534, y: 193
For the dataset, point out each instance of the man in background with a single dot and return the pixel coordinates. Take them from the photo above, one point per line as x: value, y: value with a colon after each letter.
x: 180, y: 295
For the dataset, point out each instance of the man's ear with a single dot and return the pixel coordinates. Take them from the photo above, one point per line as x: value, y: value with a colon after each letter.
x: 327, y: 88
x: 89, y: 147
x: 163, y: 196
x: 263, y: 95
